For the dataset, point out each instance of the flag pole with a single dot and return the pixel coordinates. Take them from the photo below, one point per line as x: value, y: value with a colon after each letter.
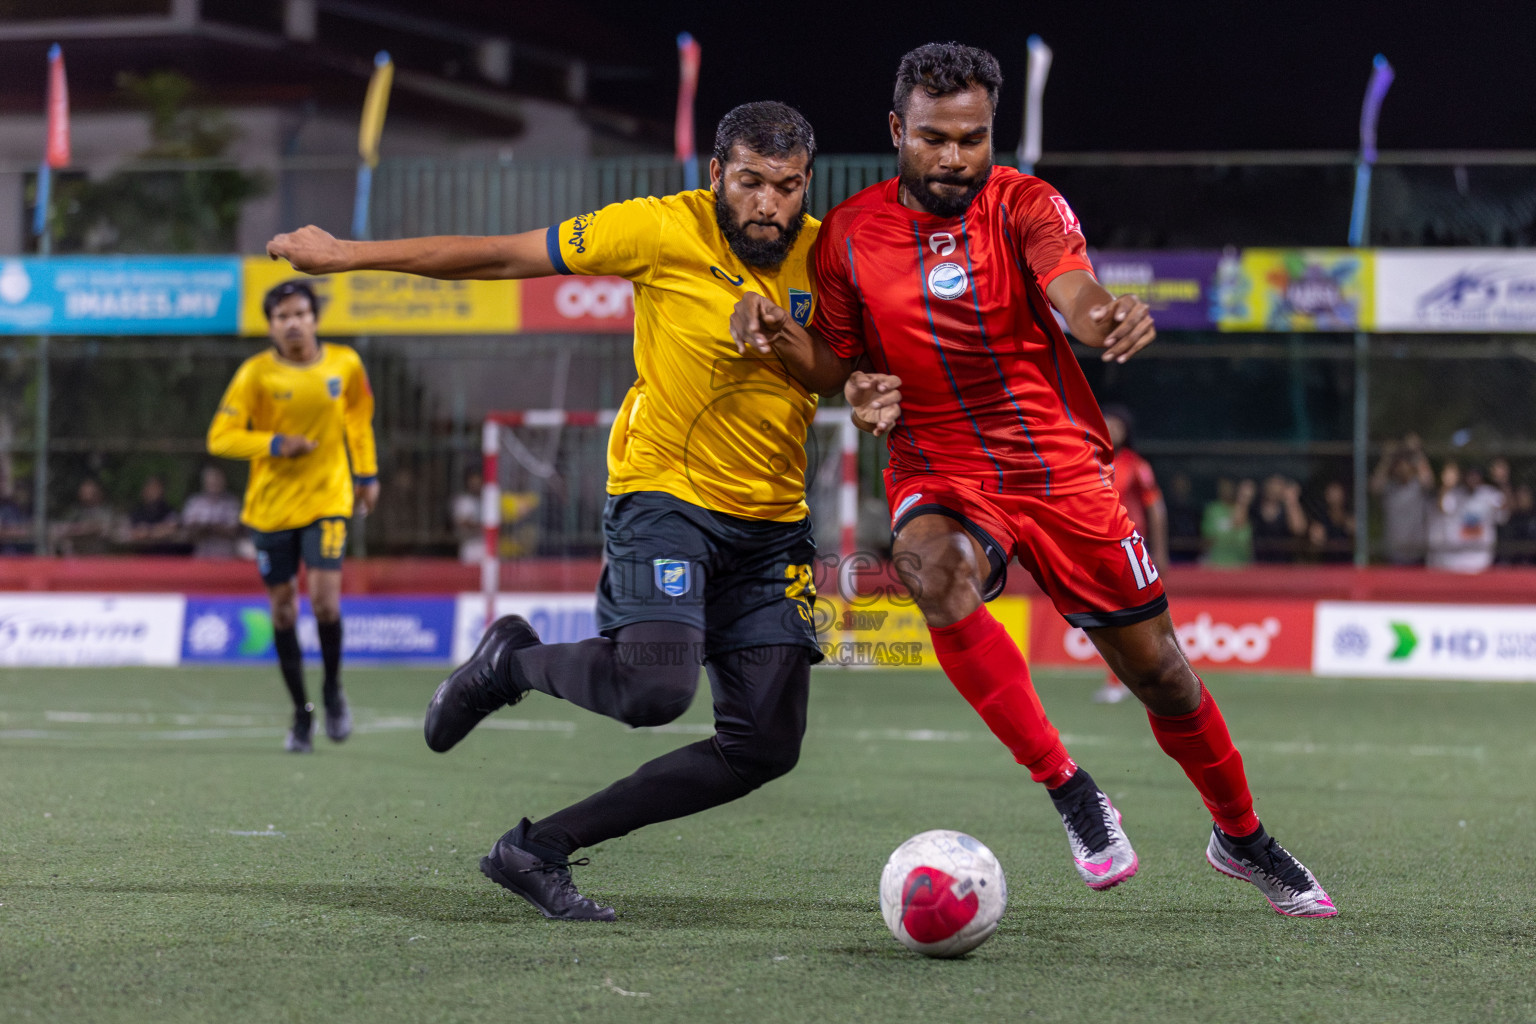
x: 1039, y: 70
x: 1359, y: 232
x: 56, y: 155
x: 368, y: 131
x: 688, y: 55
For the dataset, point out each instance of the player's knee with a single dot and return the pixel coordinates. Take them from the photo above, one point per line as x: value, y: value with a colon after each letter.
x: 761, y: 757
x: 659, y: 696
x: 326, y: 611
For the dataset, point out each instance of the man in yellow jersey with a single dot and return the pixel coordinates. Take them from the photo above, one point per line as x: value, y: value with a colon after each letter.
x: 302, y: 413
x: 707, y: 542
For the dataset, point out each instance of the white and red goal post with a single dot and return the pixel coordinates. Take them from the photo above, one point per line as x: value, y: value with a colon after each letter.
x: 832, y: 484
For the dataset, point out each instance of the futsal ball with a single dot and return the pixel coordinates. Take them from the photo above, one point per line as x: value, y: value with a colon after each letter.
x: 942, y: 893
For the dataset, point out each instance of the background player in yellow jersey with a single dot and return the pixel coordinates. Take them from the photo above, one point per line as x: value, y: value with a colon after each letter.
x: 302, y: 413
x: 707, y: 542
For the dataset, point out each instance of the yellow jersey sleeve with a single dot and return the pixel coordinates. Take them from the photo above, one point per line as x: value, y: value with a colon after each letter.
x: 621, y: 239
x: 230, y: 435
x: 359, y: 421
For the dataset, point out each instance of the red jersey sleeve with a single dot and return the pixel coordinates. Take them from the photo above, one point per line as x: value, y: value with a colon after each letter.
x: 1133, y: 474
x: 839, y: 315
x: 1049, y: 234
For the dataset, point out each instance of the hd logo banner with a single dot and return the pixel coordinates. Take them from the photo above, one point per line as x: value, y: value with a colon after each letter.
x: 1425, y: 641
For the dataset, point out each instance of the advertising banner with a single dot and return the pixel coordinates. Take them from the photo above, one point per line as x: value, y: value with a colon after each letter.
x: 119, y: 295
x: 588, y: 305
x: 1221, y: 634
x: 557, y: 618
x: 1295, y: 290
x: 1455, y: 290
x: 888, y: 632
x: 90, y: 629
x: 238, y: 630
x: 1179, y: 286
x: 1425, y: 641
x: 381, y: 302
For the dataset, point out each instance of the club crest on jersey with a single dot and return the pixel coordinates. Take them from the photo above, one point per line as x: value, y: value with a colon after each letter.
x: 1069, y: 222
x: 800, y: 306
x: 942, y: 243
x: 333, y: 385
x: 948, y: 281
x: 672, y: 576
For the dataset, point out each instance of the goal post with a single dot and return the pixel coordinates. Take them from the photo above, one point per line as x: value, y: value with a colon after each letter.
x: 540, y: 453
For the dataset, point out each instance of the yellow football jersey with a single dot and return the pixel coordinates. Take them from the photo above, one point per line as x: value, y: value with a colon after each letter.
x: 329, y: 402
x: 702, y: 423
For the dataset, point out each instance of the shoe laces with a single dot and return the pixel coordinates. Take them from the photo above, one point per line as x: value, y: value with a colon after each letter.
x: 1088, y: 817
x: 1277, y: 862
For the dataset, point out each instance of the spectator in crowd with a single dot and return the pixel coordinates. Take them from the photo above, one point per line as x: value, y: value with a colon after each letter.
x: 153, y: 525
x: 1403, y: 481
x: 211, y: 517
x: 1517, y: 536
x: 1278, y: 520
x: 15, y: 519
x: 1183, y: 519
x: 1332, y: 532
x: 1225, y: 527
x: 90, y: 527
x: 465, y: 511
x: 1463, y: 526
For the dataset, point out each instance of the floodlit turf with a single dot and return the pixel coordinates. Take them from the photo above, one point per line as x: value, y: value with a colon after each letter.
x: 161, y: 859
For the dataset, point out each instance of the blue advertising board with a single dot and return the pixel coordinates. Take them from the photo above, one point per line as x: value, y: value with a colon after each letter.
x: 238, y: 630
x: 120, y: 295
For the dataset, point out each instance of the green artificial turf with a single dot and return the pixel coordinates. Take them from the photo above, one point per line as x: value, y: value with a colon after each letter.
x: 161, y: 859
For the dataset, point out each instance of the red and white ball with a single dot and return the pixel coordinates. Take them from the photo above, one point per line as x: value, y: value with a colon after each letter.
x: 942, y: 893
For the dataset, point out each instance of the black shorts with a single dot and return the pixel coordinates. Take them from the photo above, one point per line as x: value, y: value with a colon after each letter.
x: 744, y: 582
x: 320, y: 544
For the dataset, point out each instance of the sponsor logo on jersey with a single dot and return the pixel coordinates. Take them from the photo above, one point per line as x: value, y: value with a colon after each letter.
x: 333, y: 386
x: 672, y: 576
x: 942, y: 243
x: 906, y: 503
x: 282, y: 396
x: 727, y: 278
x: 948, y: 281
x: 578, y: 238
x: 1069, y: 221
x: 800, y: 306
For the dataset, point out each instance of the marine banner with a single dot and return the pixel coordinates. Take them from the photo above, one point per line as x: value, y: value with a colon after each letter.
x: 381, y: 302
x: 1295, y: 290
x: 90, y: 629
x: 1179, y: 286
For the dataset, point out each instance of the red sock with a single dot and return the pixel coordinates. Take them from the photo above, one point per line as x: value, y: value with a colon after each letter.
x: 1199, y: 741
x: 985, y: 665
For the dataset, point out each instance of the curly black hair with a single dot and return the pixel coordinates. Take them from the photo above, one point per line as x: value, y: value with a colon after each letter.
x: 943, y: 69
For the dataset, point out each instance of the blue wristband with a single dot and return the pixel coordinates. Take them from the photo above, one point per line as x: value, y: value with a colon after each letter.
x: 276, y: 446
x: 364, y: 481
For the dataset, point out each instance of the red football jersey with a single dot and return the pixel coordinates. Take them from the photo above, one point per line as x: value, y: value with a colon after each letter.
x: 1137, y: 486
x: 957, y: 309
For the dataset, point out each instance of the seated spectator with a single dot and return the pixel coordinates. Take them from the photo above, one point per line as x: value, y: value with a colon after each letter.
x: 1517, y: 537
x: 1228, y: 534
x: 1332, y: 532
x: 15, y: 519
x: 211, y: 517
x: 1403, y: 480
x: 154, y: 528
x: 1278, y: 521
x: 1463, y: 526
x: 1183, y: 519
x: 90, y: 527
x: 465, y: 513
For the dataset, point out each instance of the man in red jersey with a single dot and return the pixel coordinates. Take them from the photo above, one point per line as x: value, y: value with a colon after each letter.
x: 943, y: 279
x: 1143, y: 501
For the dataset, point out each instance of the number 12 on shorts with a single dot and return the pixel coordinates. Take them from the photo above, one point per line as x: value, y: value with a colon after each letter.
x: 1141, y: 563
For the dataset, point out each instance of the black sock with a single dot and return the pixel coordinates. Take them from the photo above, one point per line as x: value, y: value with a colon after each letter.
x: 290, y: 662
x: 1068, y: 791
x: 1251, y: 841
x: 330, y: 657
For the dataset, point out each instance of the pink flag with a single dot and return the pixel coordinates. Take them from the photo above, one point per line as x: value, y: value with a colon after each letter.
x: 688, y: 52
x: 58, y: 110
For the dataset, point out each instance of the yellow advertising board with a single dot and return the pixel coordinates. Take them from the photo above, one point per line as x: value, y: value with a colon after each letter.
x: 381, y: 302
x: 886, y: 632
x: 1296, y: 290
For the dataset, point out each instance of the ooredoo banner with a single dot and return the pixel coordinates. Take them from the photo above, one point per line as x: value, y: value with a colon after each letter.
x: 90, y: 629
x: 1221, y: 634
x: 588, y: 305
x: 1425, y: 641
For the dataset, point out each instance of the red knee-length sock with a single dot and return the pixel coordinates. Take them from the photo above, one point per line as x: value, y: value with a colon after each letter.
x: 987, y: 668
x: 1199, y: 741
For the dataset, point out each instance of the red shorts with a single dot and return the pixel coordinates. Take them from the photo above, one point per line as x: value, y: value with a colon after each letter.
x: 1081, y: 548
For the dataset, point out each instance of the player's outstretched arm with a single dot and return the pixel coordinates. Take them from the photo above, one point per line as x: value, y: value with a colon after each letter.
x: 759, y: 324
x: 1120, y: 326
x: 449, y: 257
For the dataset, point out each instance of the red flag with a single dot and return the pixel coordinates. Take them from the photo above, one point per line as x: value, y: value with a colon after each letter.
x: 58, y: 110
x: 688, y: 52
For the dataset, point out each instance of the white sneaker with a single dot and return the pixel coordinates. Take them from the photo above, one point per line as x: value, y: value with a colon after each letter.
x: 1290, y: 888
x: 1100, y: 850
